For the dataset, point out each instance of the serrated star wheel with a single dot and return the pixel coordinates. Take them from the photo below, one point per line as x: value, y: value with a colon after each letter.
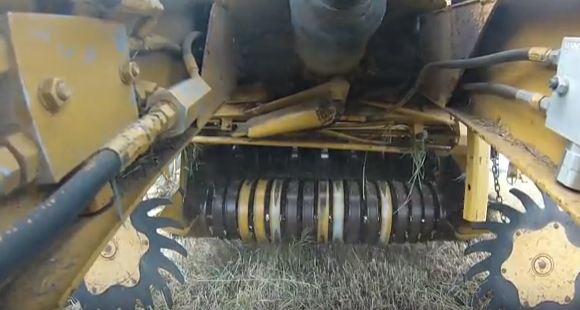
x: 534, y: 259
x: 128, y: 267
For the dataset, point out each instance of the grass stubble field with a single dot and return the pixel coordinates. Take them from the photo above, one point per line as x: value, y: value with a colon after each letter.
x: 229, y: 275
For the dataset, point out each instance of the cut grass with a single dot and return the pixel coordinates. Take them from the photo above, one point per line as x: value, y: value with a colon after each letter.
x: 229, y: 275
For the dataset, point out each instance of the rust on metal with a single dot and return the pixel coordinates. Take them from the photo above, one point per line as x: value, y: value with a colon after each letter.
x: 451, y: 33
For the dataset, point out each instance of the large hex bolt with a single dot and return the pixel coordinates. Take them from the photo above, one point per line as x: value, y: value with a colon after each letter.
x: 130, y: 71
x: 54, y: 93
x: 569, y: 171
x: 26, y: 152
x: 10, y: 174
x: 559, y: 85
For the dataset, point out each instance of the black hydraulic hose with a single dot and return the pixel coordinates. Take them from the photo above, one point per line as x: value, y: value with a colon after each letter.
x: 502, y: 90
x: 522, y: 54
x: 537, y: 100
x: 27, y: 238
x: 187, y: 53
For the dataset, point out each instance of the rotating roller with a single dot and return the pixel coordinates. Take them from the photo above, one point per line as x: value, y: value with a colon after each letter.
x: 277, y: 210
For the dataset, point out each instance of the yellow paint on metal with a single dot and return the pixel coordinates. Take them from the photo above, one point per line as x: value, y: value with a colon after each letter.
x: 530, y: 161
x: 477, y: 178
x: 386, y: 212
x: 103, y: 198
x: 100, y: 105
x: 118, y: 262
x: 244, y: 211
x: 519, y: 24
x: 433, y: 115
x: 288, y: 120
x: 323, y: 211
x: 543, y: 265
x: 260, y: 211
x: 175, y: 210
x: 11, y: 175
x: 275, y: 210
x: 338, y: 211
x: 302, y: 143
x: 139, y: 136
x: 40, y: 287
x: 336, y: 90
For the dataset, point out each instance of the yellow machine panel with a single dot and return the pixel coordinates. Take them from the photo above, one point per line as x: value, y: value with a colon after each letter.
x: 66, y: 89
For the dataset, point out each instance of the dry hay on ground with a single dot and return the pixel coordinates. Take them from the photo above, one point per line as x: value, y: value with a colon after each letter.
x: 227, y: 275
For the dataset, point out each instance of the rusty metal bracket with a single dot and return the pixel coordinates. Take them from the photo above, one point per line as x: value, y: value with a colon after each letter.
x: 451, y: 33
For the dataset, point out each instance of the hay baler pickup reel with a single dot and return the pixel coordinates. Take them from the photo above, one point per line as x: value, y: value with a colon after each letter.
x: 334, y: 120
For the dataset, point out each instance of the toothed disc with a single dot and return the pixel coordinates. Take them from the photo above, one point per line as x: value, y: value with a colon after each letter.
x: 534, y: 259
x: 129, y: 265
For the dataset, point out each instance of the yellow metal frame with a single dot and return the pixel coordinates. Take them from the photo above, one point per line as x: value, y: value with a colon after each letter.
x: 515, y: 130
x: 477, y: 178
x: 74, y: 253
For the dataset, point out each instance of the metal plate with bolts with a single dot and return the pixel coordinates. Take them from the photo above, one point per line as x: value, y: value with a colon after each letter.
x: 71, y: 100
x: 562, y: 115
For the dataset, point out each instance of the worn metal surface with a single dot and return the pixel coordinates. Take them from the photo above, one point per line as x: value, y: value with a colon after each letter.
x: 335, y: 90
x: 133, y: 265
x: 539, y: 168
x: 219, y: 67
x: 316, y: 143
x: 184, y: 97
x: 477, y: 178
x: 288, y: 120
x: 451, y: 33
x: 40, y: 287
x: 543, y: 265
x: 533, y: 260
x: 519, y: 131
x: 10, y: 172
x: 88, y: 61
x: 138, y: 137
x: 118, y: 262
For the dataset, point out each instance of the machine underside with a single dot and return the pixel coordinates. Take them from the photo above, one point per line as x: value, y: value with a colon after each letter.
x: 350, y: 121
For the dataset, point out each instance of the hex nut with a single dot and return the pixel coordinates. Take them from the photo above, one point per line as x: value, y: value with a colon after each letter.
x: 26, y: 152
x: 54, y: 93
x: 130, y: 72
x: 10, y: 173
x: 184, y: 96
x: 560, y: 85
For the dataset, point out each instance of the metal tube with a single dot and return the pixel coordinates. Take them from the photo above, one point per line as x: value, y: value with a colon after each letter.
x: 36, y: 231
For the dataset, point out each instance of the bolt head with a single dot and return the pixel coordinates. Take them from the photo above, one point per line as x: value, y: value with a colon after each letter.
x: 54, y: 93
x: 130, y: 71
x: 63, y: 91
x: 26, y: 152
x: 10, y: 173
x: 560, y: 85
x: 110, y: 250
x: 554, y: 83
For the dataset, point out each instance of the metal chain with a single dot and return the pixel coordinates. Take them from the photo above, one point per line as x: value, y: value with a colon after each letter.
x: 495, y: 171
